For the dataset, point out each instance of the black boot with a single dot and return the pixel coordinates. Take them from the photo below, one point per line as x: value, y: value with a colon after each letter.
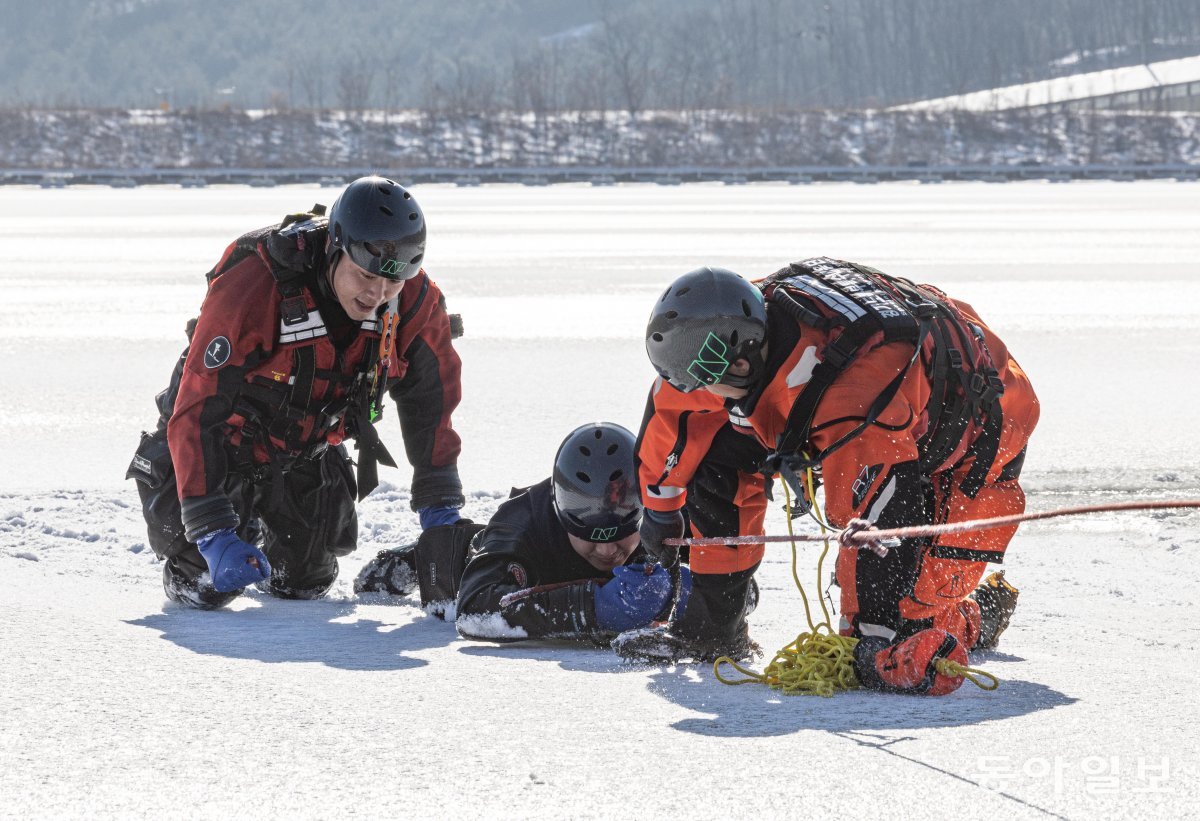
x: 391, y: 571
x: 187, y: 582
x: 713, y: 625
x: 281, y: 588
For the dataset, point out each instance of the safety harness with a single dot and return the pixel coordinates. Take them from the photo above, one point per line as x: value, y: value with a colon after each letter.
x: 857, y: 305
x: 295, y: 249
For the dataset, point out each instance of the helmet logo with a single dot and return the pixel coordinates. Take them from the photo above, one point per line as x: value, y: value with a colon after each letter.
x: 603, y: 534
x: 711, y: 362
x: 392, y: 267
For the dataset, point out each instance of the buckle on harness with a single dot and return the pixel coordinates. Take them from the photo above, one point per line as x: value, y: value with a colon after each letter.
x: 922, y: 308
x: 987, y: 387
x: 333, y: 411
x: 835, y: 357
x: 294, y: 310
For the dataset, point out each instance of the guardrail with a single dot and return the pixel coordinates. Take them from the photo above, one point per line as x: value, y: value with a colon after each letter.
x: 597, y: 175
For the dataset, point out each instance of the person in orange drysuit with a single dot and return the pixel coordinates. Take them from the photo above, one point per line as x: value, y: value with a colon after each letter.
x: 911, y: 410
x: 697, y: 461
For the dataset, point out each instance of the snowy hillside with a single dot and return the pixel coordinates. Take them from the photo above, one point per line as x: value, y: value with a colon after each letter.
x: 196, y: 139
x: 114, y: 703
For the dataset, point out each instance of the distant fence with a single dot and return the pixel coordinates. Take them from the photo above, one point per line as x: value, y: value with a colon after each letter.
x: 797, y: 175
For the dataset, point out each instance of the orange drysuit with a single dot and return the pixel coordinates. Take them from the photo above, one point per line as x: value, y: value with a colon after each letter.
x: 947, y: 446
x: 692, y: 455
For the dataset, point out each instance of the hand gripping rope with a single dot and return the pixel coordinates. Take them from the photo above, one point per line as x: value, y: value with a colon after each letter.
x: 821, y: 661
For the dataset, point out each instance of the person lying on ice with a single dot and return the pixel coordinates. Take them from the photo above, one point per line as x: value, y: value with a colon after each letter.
x: 559, y: 559
x: 911, y: 409
x: 305, y: 328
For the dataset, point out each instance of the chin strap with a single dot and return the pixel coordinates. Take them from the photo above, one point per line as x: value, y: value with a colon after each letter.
x: 325, y: 278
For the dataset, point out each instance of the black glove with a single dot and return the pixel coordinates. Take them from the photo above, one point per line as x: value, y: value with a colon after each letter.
x: 656, y: 526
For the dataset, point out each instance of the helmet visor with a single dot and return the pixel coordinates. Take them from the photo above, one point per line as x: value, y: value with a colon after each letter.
x: 607, y: 531
x: 385, y: 259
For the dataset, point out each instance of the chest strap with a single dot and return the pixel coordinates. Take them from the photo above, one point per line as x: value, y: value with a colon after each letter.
x: 863, y: 302
x: 860, y: 302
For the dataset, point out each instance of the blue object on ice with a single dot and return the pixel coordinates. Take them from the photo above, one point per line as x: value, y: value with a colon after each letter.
x: 229, y: 560
x: 632, y: 598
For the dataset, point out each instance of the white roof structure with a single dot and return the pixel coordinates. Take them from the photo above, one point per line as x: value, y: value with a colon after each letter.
x: 1067, y: 89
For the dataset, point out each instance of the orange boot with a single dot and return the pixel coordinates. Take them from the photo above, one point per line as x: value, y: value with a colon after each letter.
x: 910, y: 666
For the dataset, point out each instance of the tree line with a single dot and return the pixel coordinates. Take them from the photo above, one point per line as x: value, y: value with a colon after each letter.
x: 196, y: 139
x: 544, y: 57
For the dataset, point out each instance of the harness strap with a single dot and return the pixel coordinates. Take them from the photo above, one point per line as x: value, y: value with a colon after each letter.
x: 947, y: 419
x: 292, y: 410
x: 984, y: 449
x: 411, y: 312
x: 795, y: 305
x: 867, y: 302
x: 371, y: 452
x: 365, y: 400
x: 877, y: 407
x: 835, y: 358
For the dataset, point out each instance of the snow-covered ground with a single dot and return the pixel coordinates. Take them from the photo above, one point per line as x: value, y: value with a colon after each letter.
x: 1073, y: 87
x: 115, y: 703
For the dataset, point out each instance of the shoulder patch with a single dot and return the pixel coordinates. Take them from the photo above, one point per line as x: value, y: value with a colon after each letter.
x: 519, y: 575
x: 217, y: 353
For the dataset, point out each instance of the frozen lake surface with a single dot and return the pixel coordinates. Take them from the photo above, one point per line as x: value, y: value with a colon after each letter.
x: 113, y: 702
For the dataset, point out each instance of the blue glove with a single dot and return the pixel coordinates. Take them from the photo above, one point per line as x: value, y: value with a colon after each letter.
x: 632, y: 598
x: 434, y: 516
x: 232, y: 563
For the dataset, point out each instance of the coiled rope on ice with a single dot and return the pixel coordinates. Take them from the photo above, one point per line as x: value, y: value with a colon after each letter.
x: 820, y: 661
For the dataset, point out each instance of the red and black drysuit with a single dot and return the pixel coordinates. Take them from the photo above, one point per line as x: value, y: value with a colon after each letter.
x: 523, y: 580
x: 276, y: 377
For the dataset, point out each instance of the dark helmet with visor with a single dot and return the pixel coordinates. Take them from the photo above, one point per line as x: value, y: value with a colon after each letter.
x: 705, y: 321
x: 595, y: 483
x: 380, y: 226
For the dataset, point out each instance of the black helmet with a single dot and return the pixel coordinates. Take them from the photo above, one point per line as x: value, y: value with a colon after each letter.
x: 380, y: 226
x: 595, y: 483
x: 706, y: 320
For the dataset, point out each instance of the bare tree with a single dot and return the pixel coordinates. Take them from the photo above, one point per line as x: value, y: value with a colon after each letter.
x: 626, y: 47
x: 354, y: 84
x: 310, y: 73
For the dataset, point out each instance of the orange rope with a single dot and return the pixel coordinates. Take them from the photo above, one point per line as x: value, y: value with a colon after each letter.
x: 939, y: 530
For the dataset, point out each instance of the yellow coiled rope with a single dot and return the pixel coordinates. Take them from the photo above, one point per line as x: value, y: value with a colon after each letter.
x: 820, y: 661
